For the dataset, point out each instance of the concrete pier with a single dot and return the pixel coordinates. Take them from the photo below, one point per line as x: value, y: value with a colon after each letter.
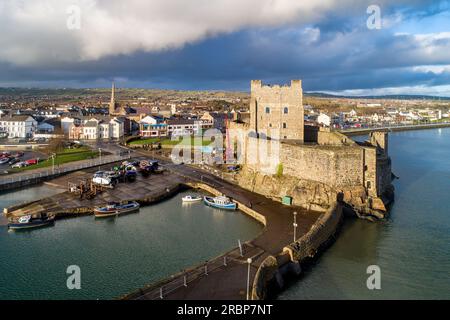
x: 145, y: 190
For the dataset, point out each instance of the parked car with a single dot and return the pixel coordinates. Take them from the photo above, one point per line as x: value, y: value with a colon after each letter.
x: 19, y: 154
x: 13, y: 161
x: 20, y: 164
x: 4, y: 160
x: 32, y: 161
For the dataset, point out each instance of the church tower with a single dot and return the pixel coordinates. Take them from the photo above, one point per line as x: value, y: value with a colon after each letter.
x: 112, y: 104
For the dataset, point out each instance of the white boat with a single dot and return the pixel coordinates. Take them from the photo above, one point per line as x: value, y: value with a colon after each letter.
x: 220, y: 202
x: 191, y: 198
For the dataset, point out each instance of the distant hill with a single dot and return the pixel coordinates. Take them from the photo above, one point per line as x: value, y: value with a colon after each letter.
x: 135, y: 92
x: 385, y: 97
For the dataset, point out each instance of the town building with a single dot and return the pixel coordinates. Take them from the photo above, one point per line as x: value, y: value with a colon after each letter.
x: 18, y: 126
x: 95, y: 129
x: 183, y: 127
x: 152, y: 126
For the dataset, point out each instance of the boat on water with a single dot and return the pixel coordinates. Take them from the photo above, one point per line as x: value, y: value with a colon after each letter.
x: 191, y: 198
x: 28, y: 222
x: 220, y: 202
x: 115, y: 209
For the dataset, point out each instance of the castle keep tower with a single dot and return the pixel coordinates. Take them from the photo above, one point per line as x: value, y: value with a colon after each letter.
x: 277, y: 108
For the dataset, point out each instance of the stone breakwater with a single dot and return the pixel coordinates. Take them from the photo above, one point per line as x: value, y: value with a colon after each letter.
x: 277, y: 268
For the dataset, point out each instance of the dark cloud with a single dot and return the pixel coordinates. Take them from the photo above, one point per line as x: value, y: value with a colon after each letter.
x: 336, y: 53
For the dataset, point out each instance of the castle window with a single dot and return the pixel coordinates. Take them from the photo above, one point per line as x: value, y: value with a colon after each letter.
x: 286, y: 110
x: 369, y: 185
x: 284, y: 125
x: 270, y: 125
x: 267, y: 110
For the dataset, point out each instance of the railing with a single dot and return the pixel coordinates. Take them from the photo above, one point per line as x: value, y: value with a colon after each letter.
x: 49, y: 172
x: 162, y: 289
x: 395, y: 126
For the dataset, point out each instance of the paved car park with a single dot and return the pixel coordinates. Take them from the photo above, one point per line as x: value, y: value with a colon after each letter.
x: 27, y: 155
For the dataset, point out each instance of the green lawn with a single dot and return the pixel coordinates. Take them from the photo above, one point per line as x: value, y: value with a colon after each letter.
x: 65, y: 156
x: 167, y: 141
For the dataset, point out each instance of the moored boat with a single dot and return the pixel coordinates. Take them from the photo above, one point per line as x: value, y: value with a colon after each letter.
x: 191, y: 198
x: 28, y: 222
x: 115, y: 209
x: 220, y: 202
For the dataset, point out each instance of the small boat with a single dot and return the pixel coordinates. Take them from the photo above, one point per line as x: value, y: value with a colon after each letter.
x: 191, y: 198
x: 220, y: 202
x: 116, y: 208
x: 28, y: 222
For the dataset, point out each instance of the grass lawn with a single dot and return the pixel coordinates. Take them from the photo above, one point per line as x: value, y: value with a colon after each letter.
x: 65, y: 156
x: 167, y: 141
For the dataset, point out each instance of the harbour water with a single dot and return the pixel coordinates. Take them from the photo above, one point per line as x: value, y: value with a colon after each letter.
x: 412, y: 247
x: 116, y: 256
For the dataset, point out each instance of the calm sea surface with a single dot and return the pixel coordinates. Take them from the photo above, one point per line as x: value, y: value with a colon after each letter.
x: 412, y: 247
x: 116, y: 256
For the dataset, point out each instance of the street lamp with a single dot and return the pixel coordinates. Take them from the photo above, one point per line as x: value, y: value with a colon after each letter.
x: 295, y: 226
x: 249, y: 261
x: 53, y: 162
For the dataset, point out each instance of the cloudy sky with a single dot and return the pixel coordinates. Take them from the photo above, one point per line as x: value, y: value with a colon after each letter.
x: 331, y: 45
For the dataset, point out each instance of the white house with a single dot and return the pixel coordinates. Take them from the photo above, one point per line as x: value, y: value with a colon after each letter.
x: 152, y: 126
x: 68, y: 122
x: 324, y: 119
x: 93, y: 129
x: 183, y: 127
x: 18, y: 126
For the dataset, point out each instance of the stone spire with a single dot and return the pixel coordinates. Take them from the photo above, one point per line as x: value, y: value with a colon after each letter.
x: 112, y: 104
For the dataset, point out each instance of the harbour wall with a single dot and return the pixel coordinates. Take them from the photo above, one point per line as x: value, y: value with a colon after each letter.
x: 357, y: 132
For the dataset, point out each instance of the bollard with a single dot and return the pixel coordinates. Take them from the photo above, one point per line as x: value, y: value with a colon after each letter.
x: 225, y: 261
x: 206, y: 269
x: 185, y: 281
x: 161, y: 293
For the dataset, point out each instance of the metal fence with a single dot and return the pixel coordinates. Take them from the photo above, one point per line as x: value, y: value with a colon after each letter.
x: 167, y: 286
x: 56, y: 171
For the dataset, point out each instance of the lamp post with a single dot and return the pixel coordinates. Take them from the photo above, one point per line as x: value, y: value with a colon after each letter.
x: 53, y: 163
x: 249, y: 261
x: 295, y: 226
x: 100, y: 156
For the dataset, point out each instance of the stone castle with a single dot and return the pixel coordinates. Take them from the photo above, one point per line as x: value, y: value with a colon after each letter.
x: 314, y: 166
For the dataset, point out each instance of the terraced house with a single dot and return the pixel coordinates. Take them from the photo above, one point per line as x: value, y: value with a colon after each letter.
x: 18, y: 126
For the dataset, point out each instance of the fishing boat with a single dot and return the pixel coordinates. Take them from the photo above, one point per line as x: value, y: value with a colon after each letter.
x: 191, y: 198
x: 28, y: 222
x: 220, y: 202
x: 116, y: 208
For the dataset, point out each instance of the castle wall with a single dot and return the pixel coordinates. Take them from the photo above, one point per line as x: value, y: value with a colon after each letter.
x: 335, y: 166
